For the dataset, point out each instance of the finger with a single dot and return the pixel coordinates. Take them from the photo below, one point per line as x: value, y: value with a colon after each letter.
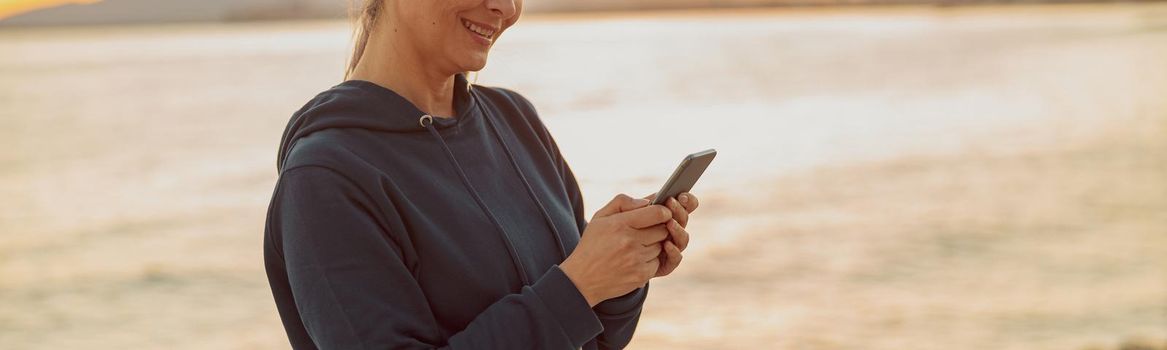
x: 652, y: 235
x: 689, y: 201
x: 649, y: 252
x: 650, y: 197
x: 621, y: 203
x: 644, y: 217
x: 680, y: 214
x: 651, y: 268
x: 672, y: 259
x: 678, y: 235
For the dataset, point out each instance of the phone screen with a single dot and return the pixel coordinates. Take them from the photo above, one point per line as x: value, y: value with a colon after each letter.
x: 686, y: 175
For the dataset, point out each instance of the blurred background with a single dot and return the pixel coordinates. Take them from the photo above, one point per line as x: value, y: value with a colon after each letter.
x: 892, y: 174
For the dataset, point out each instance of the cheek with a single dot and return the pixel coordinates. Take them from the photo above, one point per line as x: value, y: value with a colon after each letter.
x: 438, y: 34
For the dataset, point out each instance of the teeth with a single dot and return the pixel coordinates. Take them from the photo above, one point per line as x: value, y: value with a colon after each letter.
x: 475, y: 28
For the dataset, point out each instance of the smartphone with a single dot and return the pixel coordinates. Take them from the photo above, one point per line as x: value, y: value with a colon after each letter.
x: 686, y: 175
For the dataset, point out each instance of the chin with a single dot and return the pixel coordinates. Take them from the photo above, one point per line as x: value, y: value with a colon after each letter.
x: 474, y: 67
x: 472, y: 64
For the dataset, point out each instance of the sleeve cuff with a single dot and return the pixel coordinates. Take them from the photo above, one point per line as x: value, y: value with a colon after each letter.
x: 568, y: 305
x: 623, y: 305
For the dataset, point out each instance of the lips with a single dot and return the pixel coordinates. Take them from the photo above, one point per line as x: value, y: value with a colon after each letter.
x: 482, y: 30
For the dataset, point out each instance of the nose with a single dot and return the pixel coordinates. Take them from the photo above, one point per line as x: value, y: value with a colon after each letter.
x: 503, y: 8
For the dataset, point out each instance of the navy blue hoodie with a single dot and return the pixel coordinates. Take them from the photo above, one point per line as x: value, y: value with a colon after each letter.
x: 389, y: 230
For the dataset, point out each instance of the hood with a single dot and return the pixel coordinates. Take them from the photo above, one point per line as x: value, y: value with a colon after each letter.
x: 342, y: 106
x: 346, y: 105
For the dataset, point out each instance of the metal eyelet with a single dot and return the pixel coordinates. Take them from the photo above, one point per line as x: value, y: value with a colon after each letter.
x: 425, y: 118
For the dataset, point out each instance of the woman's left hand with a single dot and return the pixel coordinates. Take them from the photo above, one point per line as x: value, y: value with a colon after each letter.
x: 678, y: 237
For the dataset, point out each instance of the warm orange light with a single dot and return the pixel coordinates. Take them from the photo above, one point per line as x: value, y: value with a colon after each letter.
x: 10, y: 8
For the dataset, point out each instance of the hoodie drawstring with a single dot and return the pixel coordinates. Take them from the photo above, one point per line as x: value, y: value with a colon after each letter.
x: 526, y: 183
x: 426, y: 121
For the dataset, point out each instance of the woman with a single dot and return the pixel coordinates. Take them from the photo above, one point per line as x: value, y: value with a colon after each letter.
x: 415, y: 210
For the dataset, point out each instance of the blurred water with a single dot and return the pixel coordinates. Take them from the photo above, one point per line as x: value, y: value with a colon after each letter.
x: 137, y: 161
x: 786, y: 90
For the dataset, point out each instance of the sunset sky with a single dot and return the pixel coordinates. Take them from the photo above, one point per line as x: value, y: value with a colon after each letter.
x: 14, y: 7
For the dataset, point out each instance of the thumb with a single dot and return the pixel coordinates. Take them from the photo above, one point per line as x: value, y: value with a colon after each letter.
x: 621, y: 203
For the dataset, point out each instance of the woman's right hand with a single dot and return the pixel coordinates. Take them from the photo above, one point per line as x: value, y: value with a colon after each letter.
x: 618, y: 251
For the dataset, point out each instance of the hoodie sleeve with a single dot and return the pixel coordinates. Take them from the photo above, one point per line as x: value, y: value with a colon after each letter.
x: 619, y: 315
x: 352, y: 289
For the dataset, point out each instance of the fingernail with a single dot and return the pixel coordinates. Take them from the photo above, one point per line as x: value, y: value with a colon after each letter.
x: 641, y: 201
x: 684, y: 198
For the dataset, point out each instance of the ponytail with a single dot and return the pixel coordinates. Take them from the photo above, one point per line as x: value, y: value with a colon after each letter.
x: 365, y: 21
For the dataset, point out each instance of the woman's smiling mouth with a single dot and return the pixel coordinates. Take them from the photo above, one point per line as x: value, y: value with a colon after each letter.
x: 482, y: 31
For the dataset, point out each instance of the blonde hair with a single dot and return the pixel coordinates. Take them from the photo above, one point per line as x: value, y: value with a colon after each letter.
x: 365, y: 22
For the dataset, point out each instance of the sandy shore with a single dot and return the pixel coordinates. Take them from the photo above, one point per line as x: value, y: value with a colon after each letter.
x: 1054, y: 247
